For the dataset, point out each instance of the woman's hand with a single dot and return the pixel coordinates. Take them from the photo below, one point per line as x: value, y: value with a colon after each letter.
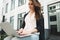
x: 25, y: 32
x: 28, y: 32
x: 20, y: 31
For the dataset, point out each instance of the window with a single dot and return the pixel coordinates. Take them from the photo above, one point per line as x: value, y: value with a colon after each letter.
x: 20, y: 15
x: 59, y: 4
x: 21, y: 2
x: 3, y: 20
x: 12, y: 4
x: 52, y: 9
x: 53, y: 18
x: 20, y: 18
x: 6, y: 9
x: 53, y: 29
x: 12, y: 20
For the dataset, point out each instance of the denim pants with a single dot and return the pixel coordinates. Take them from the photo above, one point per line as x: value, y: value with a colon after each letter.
x: 32, y: 37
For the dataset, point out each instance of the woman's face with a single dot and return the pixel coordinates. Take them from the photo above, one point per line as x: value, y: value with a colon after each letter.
x: 31, y: 6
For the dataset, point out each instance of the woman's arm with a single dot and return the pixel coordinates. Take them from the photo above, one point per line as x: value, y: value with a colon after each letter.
x: 40, y: 28
x: 23, y: 25
x: 40, y: 24
x: 29, y: 32
x: 34, y: 31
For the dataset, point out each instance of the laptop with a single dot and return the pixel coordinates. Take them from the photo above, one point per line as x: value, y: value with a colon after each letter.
x: 6, y: 26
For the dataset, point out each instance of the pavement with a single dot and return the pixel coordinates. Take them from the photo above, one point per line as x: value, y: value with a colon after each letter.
x: 54, y: 37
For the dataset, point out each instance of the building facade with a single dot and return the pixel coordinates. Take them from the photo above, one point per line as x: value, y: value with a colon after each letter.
x: 1, y: 4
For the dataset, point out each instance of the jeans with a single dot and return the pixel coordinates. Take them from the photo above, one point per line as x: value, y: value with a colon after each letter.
x: 32, y: 37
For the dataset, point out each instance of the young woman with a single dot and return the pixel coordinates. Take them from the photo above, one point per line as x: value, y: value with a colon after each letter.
x: 33, y: 21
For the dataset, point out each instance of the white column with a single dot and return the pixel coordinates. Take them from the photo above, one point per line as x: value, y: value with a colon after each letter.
x: 46, y: 17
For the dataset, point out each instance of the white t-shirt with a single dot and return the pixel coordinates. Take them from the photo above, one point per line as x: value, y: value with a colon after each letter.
x: 30, y: 22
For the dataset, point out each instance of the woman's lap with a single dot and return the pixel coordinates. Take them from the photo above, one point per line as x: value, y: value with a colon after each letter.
x: 35, y: 37
x: 32, y: 37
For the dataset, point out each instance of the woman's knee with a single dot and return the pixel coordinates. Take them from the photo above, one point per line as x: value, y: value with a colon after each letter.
x: 35, y: 37
x: 15, y: 38
x: 8, y: 38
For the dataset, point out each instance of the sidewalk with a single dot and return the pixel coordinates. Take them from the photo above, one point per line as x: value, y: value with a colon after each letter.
x: 54, y: 37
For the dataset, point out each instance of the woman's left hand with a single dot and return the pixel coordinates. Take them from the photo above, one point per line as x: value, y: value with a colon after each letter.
x: 25, y: 33
x: 28, y: 32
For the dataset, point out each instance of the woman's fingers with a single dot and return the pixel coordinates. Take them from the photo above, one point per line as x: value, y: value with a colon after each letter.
x: 24, y: 33
x: 18, y: 32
